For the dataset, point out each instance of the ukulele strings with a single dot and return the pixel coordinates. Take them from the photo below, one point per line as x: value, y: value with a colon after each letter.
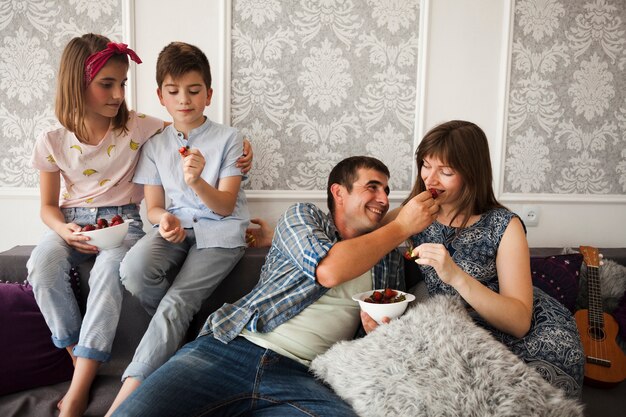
x: 596, y: 318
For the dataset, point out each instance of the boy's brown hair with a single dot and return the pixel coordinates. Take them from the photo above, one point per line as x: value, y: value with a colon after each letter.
x: 179, y: 58
x: 70, y: 105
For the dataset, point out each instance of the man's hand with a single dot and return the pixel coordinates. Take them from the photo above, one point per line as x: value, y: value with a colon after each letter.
x: 369, y: 324
x: 259, y: 237
x: 193, y: 164
x: 418, y: 213
x: 170, y: 228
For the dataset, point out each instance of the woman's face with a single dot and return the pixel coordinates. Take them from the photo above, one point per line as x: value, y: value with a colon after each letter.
x: 440, y: 176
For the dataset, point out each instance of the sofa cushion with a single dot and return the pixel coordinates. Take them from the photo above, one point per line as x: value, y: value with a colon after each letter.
x: 435, y: 361
x: 558, y: 276
x: 28, y: 358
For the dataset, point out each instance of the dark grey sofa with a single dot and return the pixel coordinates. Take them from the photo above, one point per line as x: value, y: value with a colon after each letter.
x: 41, y: 402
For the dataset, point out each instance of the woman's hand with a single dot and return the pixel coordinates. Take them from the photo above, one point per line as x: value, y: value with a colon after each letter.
x: 259, y: 237
x: 437, y: 256
x: 78, y: 242
x: 170, y: 228
x: 245, y: 160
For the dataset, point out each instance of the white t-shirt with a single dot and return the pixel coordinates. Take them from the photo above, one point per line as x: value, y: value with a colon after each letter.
x: 96, y: 175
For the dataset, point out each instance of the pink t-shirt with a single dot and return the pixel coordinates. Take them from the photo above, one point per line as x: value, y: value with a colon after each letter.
x: 100, y: 175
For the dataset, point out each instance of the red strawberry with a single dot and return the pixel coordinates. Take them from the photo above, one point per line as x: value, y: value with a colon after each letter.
x: 377, y: 296
x: 389, y: 293
x: 88, y: 228
x: 433, y: 192
x: 102, y: 223
x: 407, y: 255
x: 117, y: 219
x: 183, y: 150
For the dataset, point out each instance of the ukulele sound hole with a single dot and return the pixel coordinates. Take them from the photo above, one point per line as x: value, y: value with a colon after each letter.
x: 596, y: 333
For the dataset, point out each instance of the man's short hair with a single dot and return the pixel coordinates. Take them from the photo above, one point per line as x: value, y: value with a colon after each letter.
x: 179, y: 58
x: 345, y: 173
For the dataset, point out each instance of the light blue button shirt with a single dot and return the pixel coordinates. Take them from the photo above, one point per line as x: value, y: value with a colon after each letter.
x: 161, y: 164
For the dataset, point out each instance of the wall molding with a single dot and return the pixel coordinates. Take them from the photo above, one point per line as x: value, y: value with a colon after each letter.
x: 128, y: 36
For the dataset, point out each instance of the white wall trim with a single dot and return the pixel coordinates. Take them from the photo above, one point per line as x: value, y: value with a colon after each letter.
x: 499, y: 149
x: 563, y: 198
x: 225, y: 45
x: 395, y: 197
x: 128, y: 36
x: 420, y: 96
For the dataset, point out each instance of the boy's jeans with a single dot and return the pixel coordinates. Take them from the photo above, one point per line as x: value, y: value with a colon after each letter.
x: 210, y: 378
x: 48, y: 273
x: 144, y: 274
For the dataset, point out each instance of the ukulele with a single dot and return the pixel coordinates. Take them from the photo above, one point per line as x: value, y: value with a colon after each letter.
x: 605, y: 363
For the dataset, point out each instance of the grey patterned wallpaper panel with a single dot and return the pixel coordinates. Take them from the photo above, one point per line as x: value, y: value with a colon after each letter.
x: 566, y: 121
x: 316, y: 81
x: 33, y: 34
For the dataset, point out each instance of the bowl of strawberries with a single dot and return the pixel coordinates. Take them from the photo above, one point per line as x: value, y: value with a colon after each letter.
x: 106, y: 234
x: 383, y: 303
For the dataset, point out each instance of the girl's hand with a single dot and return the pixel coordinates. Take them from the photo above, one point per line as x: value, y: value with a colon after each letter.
x: 170, y: 228
x: 245, y: 160
x: 193, y: 164
x: 259, y: 237
x: 78, y: 242
x: 436, y: 255
x: 369, y: 324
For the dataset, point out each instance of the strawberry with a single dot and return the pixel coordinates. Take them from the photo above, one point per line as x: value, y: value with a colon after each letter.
x: 88, y: 228
x: 183, y: 150
x: 407, y: 255
x: 377, y: 296
x: 115, y: 220
x: 433, y: 192
x: 389, y: 293
x: 102, y: 223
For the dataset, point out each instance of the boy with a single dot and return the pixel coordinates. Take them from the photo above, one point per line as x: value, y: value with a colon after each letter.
x: 202, y: 231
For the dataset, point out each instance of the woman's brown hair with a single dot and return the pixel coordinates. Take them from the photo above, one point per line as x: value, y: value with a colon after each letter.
x: 70, y: 105
x: 464, y: 147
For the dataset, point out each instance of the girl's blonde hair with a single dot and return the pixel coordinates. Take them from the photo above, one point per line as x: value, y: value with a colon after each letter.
x: 464, y: 147
x: 70, y: 105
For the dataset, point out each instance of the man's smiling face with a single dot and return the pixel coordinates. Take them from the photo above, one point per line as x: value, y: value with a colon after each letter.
x: 367, y: 203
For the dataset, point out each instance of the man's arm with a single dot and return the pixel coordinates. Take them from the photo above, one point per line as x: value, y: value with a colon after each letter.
x: 351, y: 258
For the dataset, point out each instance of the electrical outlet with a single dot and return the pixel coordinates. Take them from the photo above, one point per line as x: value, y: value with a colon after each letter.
x: 530, y: 215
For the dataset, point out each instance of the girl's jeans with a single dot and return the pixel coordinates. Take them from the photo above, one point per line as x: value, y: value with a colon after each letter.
x: 48, y: 273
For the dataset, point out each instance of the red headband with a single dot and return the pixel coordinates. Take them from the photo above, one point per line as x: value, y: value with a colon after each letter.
x: 95, y: 62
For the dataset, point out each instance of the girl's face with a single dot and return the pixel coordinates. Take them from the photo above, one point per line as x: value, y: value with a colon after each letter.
x: 442, y: 178
x: 105, y: 94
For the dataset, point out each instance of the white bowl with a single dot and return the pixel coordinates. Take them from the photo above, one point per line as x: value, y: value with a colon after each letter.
x: 378, y: 311
x: 109, y: 237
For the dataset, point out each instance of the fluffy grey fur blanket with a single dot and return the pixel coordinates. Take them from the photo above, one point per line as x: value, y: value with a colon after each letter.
x: 434, y: 361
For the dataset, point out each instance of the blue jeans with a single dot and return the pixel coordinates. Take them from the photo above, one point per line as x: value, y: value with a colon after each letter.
x: 48, y: 273
x: 144, y: 274
x: 210, y: 378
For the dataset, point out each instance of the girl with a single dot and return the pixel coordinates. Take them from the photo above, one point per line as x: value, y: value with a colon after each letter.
x: 95, y: 154
x: 477, y: 249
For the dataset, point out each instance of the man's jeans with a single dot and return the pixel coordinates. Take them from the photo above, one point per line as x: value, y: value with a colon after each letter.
x: 210, y: 378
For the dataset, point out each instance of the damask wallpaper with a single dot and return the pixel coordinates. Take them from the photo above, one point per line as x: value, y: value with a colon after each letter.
x: 566, y: 122
x: 316, y: 81
x: 33, y: 34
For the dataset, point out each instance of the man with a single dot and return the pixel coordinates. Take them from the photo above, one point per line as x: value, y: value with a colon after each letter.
x: 252, y: 356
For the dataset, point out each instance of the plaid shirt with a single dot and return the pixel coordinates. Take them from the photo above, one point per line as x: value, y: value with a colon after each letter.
x: 287, y: 285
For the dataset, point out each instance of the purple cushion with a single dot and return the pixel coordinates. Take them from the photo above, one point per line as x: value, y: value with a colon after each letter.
x: 28, y: 359
x: 558, y: 276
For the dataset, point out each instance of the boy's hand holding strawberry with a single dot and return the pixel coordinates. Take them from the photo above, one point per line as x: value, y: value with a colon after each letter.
x: 193, y: 164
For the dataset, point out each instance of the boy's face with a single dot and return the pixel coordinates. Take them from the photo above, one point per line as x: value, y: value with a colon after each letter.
x: 185, y: 99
